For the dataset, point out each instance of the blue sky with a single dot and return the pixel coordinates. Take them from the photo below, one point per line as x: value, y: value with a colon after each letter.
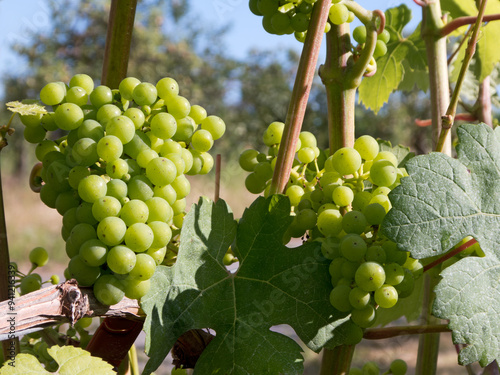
x: 18, y: 16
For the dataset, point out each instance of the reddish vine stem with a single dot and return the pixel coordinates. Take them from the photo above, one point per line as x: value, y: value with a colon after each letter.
x: 450, y: 254
x: 449, y: 117
x: 218, y: 162
x: 300, y: 96
x: 115, y: 336
x: 458, y: 116
x: 388, y: 332
x: 462, y: 21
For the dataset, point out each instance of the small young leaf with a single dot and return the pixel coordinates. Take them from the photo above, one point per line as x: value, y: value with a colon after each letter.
x: 26, y: 108
x: 71, y: 361
x: 273, y: 285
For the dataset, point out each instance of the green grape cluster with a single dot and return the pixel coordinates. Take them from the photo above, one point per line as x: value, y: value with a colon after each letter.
x: 341, y: 200
x: 397, y: 367
x: 118, y: 176
x: 293, y: 16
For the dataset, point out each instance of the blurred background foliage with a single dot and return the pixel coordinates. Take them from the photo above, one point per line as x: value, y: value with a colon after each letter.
x: 170, y: 41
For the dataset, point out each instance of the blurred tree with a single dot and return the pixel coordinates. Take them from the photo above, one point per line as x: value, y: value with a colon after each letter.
x: 169, y: 40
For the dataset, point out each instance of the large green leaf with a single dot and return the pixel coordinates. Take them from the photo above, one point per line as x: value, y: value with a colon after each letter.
x: 273, y: 285
x: 442, y: 201
x: 486, y: 56
x: 71, y: 361
x: 375, y: 91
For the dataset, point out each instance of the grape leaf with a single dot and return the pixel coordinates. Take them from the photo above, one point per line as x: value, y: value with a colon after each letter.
x: 273, y: 285
x: 26, y: 108
x: 24, y: 364
x: 486, y: 56
x: 375, y: 91
x: 71, y: 361
x: 442, y: 201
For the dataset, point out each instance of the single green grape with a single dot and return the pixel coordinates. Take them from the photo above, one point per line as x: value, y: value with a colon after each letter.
x: 370, y: 276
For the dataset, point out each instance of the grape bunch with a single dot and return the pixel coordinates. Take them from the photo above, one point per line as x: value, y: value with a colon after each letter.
x: 116, y: 174
x: 292, y: 16
x: 341, y: 200
x: 397, y: 367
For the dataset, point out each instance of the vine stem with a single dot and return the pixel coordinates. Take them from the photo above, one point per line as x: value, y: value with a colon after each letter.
x: 385, y: 333
x: 449, y: 117
x: 462, y: 21
x: 300, y: 96
x: 114, y: 337
x: 449, y: 255
x: 118, y: 41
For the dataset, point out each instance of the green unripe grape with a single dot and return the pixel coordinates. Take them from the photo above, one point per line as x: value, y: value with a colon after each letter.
x: 162, y: 234
x: 307, y: 139
x: 306, y: 155
x: 39, y: 256
x: 198, y: 114
x: 106, y: 206
x: 92, y: 188
x: 359, y: 34
x: 338, y: 14
x: 330, y: 222
x: 185, y: 129
x: 264, y: 170
x: 100, y: 96
x: 384, y: 36
x: 361, y: 200
x: 254, y: 184
x: 136, y: 289
x: 215, y: 125
x: 160, y: 210
x: 394, y: 273
x: 30, y: 284
x: 134, y: 211
x: 144, y: 267
x: 108, y: 290
x: 136, y: 115
x: 161, y: 171
x: 386, y: 296
x: 380, y: 49
x: 346, y: 161
x: 300, y: 36
x: 109, y: 148
x: 367, y: 146
x: 163, y: 125
x: 295, y: 193
x: 166, y: 192
x: 93, y: 252
x: 167, y: 88
x: 179, y: 107
x: 398, y: 367
x: 68, y: 116
x: 121, y: 127
x: 405, y: 288
x: 364, y: 317
x: 140, y: 187
x: 82, y: 272
x: 202, y: 140
x: 382, y: 200
x: 117, y: 188
x: 84, y: 322
x: 376, y: 254
x: 144, y: 93
x: 358, y: 298
x: 387, y: 155
x: 248, y: 160
x: 77, y: 95
x: 374, y: 213
x: 371, y: 368
x: 53, y: 93
x: 299, y: 22
x: 370, y: 276
x: 54, y: 279
x: 121, y: 259
x: 127, y: 86
x: 306, y: 219
x: 82, y: 80
x: 383, y: 173
x: 117, y: 168
x: 90, y: 129
x: 111, y: 230
x: 34, y: 134
x: 353, y: 247
x: 343, y: 196
x: 339, y: 298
